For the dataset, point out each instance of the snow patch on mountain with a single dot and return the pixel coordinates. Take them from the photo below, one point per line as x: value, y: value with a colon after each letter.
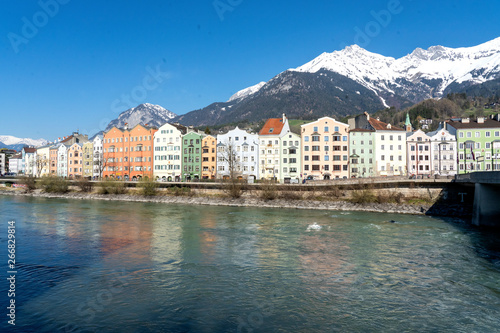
x: 244, y: 93
x: 9, y: 140
x: 388, y: 75
x: 151, y: 114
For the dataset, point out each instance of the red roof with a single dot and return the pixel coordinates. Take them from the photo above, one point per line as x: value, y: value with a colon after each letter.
x: 272, y: 126
x: 381, y: 126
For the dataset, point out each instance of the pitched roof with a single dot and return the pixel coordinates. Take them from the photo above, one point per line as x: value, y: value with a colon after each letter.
x: 488, y: 123
x: 29, y: 150
x: 381, y: 126
x: 273, y: 126
x: 361, y: 130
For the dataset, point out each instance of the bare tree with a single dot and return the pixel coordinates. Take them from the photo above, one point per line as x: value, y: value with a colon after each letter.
x: 229, y: 158
x: 40, y: 163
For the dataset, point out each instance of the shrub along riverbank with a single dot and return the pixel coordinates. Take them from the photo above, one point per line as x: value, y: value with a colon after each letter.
x: 409, y: 199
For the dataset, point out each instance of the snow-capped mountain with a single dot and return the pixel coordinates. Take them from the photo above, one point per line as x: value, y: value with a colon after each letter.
x: 11, y: 142
x: 416, y: 76
x: 355, y: 80
x: 153, y: 115
x: 246, y: 92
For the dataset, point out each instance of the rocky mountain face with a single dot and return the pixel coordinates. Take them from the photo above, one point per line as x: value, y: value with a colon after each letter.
x: 153, y: 115
x: 354, y: 80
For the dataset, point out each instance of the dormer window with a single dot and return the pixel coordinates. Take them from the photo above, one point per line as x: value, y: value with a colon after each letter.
x: 271, y: 130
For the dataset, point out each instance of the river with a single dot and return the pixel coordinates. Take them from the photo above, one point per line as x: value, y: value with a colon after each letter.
x: 101, y: 266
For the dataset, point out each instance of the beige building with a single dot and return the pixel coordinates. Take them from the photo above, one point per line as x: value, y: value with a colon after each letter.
x: 88, y: 159
x: 325, y: 149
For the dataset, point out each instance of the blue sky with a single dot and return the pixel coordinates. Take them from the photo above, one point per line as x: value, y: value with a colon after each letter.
x: 72, y: 64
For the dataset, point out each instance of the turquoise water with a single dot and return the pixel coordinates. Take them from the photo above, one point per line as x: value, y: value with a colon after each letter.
x: 94, y: 266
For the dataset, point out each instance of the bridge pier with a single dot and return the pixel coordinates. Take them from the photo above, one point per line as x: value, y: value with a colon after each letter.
x: 486, y: 209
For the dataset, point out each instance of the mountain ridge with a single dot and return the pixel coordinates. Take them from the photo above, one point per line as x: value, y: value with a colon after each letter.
x: 402, y: 82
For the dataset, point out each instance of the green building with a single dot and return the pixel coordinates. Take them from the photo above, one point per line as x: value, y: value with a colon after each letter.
x: 362, y: 153
x: 191, y: 156
x: 478, y: 143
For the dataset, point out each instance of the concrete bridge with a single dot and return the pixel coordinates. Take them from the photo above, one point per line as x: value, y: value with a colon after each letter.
x: 486, y: 208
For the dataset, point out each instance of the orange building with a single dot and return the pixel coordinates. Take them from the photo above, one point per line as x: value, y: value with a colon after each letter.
x: 208, y: 157
x: 128, y: 153
x: 75, y: 160
x: 53, y: 160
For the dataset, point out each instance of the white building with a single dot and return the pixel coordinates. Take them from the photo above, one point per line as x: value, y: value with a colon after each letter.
x: 389, y: 143
x: 167, y: 162
x: 3, y: 160
x: 98, y: 161
x: 62, y: 161
x: 241, y: 147
x: 28, y: 161
x: 42, y: 160
x: 271, y: 148
x: 15, y: 163
x: 290, y: 158
x: 444, y: 152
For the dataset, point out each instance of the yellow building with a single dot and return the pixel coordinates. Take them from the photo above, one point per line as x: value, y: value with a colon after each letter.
x: 87, y: 150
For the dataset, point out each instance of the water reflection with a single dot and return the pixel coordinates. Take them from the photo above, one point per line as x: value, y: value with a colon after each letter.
x: 101, y: 266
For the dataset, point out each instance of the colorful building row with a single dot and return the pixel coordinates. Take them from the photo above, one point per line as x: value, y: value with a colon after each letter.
x: 325, y: 149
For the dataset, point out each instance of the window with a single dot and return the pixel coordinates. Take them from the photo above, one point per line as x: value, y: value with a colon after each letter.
x: 326, y: 128
x: 306, y: 139
x: 315, y: 138
x: 336, y: 128
x: 325, y: 138
x: 382, y: 137
x: 478, y: 134
x: 315, y: 128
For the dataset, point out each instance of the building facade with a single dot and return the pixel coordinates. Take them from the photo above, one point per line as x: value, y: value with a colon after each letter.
x: 290, y: 157
x: 53, y: 159
x: 270, y: 149
x: 128, y: 153
x: 362, y: 148
x: 75, y: 160
x: 88, y: 159
x: 444, y: 152
x: 419, y: 154
x: 209, y: 157
x: 28, y: 161
x: 167, y: 152
x: 390, y: 145
x: 478, y: 143
x: 15, y: 163
x: 191, y: 156
x: 325, y: 149
x: 62, y: 161
x: 238, y: 155
x: 98, y: 159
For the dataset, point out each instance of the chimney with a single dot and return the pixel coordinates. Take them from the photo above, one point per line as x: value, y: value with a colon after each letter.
x: 480, y: 120
x: 367, y: 115
x: 126, y: 126
x: 378, y: 118
x: 465, y: 120
x: 389, y: 126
